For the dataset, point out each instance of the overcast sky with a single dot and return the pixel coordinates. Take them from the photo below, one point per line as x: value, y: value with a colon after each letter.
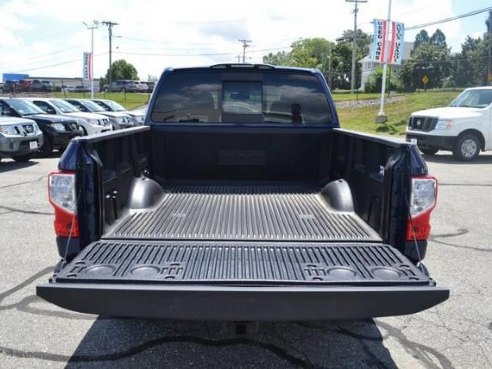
x: 46, y: 38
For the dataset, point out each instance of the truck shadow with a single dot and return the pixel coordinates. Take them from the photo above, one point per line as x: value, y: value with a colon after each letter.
x: 7, y: 165
x: 447, y: 158
x: 129, y: 343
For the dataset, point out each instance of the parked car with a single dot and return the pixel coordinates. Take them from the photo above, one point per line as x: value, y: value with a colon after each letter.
x: 112, y: 106
x: 69, y: 88
x: 464, y: 127
x: 16, y: 86
x: 20, y: 138
x: 118, y: 120
x: 91, y: 123
x: 57, y: 130
x: 38, y: 85
x: 121, y: 86
x: 81, y: 88
x: 141, y: 86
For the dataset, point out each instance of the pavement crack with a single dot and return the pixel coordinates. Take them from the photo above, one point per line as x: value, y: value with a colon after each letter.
x: 459, y: 232
x: 274, y: 332
x: 15, y: 210
x: 23, y: 183
x: 23, y: 284
x: 417, y: 350
x: 275, y: 350
x: 479, y: 249
x: 358, y: 336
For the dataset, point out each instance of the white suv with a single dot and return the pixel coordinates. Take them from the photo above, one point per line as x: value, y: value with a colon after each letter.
x: 464, y: 127
x: 91, y: 123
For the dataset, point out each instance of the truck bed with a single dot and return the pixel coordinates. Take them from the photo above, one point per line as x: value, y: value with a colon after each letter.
x: 247, y: 213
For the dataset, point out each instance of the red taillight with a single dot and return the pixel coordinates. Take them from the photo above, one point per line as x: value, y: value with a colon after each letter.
x: 61, y: 191
x: 66, y: 224
x: 422, y: 202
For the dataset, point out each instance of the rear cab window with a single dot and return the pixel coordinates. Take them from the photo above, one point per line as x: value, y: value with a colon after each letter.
x: 242, y: 96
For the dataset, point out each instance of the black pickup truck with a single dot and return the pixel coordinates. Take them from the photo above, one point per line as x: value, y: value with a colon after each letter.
x: 242, y: 199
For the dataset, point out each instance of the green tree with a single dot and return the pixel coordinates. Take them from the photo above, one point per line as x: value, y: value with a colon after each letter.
x: 469, y: 63
x: 375, y: 81
x: 333, y: 60
x: 280, y: 58
x: 308, y: 53
x: 472, y: 63
x: 421, y: 38
x: 438, y: 39
x: 342, y: 63
x: 120, y: 69
x: 430, y: 57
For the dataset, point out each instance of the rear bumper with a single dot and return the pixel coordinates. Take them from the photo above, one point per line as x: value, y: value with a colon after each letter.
x: 207, y: 302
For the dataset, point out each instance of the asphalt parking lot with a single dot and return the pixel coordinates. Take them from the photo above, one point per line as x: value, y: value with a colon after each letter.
x: 455, y: 334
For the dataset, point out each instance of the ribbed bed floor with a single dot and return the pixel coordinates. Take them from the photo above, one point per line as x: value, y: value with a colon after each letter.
x: 240, y: 262
x: 243, y: 213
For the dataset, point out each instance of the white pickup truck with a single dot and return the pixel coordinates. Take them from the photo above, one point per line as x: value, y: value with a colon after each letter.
x: 464, y: 127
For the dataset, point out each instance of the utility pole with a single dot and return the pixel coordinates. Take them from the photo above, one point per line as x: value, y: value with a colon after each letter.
x: 245, y: 45
x: 94, y: 25
x: 489, y: 42
x: 354, y: 41
x: 110, y: 30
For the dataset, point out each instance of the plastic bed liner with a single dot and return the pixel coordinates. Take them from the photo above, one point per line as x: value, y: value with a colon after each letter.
x: 241, y: 281
x: 272, y: 213
x: 241, y: 263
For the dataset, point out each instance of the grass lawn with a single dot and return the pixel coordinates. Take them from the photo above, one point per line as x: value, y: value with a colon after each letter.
x: 362, y: 118
x: 347, y: 96
x: 129, y: 100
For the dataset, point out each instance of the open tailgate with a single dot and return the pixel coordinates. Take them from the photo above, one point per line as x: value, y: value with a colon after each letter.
x: 242, y: 281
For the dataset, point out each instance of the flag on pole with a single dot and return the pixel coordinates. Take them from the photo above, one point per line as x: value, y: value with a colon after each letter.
x: 87, y: 66
x: 379, y: 44
x: 395, y: 49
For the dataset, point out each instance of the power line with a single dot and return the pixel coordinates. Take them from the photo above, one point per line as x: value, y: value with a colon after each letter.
x: 475, y: 12
x: 252, y: 51
x: 53, y: 65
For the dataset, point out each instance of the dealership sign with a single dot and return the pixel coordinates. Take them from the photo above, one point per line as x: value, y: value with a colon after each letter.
x: 395, y: 42
x: 87, y: 66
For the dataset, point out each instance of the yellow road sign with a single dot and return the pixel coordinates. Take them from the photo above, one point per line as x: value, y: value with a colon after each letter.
x: 425, y: 80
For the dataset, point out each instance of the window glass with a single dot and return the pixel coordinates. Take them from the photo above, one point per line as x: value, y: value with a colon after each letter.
x: 473, y: 99
x: 42, y: 105
x: 242, y: 97
x: 114, y: 105
x: 188, y: 97
x: 262, y: 97
x: 295, y: 98
x: 24, y: 108
x: 92, y: 106
x: 64, y: 106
